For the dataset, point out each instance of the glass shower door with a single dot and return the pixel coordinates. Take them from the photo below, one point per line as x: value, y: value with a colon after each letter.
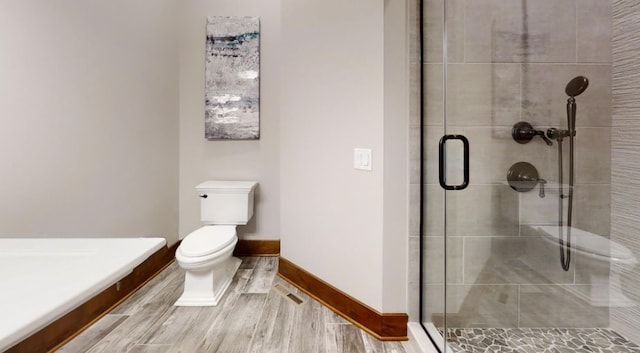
x: 516, y: 192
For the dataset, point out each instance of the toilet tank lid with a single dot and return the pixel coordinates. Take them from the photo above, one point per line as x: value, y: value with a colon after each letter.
x: 232, y: 186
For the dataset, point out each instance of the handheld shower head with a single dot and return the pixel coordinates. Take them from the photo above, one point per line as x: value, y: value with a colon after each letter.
x: 576, y: 86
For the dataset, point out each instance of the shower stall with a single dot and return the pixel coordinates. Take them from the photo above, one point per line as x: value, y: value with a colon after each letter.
x: 529, y: 180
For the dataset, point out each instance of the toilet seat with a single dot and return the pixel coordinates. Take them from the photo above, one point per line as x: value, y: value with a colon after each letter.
x: 592, y: 244
x: 207, y: 240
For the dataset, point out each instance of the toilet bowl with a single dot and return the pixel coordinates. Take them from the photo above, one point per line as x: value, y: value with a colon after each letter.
x: 596, y: 256
x: 206, y: 254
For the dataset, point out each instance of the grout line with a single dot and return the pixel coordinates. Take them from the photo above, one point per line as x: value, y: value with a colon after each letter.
x: 575, y: 9
x: 464, y: 33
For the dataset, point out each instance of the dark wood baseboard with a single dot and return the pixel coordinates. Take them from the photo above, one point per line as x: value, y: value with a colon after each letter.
x: 257, y: 248
x: 65, y: 328
x: 383, y: 326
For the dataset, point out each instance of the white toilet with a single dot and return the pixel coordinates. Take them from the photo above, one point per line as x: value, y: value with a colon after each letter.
x: 206, y: 253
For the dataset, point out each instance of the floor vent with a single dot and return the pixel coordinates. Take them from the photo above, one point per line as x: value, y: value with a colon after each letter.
x: 283, y: 291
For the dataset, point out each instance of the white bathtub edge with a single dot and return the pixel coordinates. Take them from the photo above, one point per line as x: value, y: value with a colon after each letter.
x: 150, y: 244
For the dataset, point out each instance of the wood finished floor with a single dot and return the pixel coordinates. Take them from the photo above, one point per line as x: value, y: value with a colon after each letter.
x: 253, y: 317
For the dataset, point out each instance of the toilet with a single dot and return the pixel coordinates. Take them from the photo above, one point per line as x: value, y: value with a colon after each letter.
x: 206, y: 253
x: 599, y: 254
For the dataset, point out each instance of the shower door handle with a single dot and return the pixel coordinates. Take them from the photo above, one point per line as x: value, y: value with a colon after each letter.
x: 441, y: 164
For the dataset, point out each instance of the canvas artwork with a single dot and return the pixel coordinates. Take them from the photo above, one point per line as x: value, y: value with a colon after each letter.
x: 232, y: 85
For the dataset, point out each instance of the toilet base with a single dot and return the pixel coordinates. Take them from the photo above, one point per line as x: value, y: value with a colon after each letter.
x: 206, y: 287
x: 604, y: 290
x: 607, y: 291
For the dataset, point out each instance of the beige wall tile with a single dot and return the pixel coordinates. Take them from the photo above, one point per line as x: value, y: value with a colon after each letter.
x: 594, y: 31
x: 510, y: 260
x: 557, y: 306
x: 474, y: 306
x: 542, y: 255
x: 433, y: 28
x: 434, y: 264
x: 505, y: 31
x: 540, y: 210
x: 544, y: 100
x: 587, y: 267
x: 483, y: 94
x: 484, y: 210
x: 434, y: 211
x: 592, y: 208
x: 493, y: 152
x: 593, y: 155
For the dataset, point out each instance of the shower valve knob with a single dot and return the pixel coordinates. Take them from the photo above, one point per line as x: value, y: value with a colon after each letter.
x: 523, y: 132
x: 523, y: 177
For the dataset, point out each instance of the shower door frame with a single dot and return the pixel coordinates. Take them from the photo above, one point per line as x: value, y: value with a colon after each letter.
x: 531, y: 66
x: 438, y: 341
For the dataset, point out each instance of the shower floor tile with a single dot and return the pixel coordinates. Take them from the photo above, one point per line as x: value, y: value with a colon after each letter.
x: 539, y: 340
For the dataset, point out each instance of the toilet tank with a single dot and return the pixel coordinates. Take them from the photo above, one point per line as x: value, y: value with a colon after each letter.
x: 226, y: 202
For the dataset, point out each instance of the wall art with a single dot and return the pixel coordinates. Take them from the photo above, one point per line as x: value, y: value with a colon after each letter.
x: 232, y: 80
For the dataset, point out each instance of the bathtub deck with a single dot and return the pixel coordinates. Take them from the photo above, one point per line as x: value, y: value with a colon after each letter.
x: 43, y: 279
x: 252, y: 317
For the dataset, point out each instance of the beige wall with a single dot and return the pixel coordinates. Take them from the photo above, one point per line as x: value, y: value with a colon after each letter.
x: 88, y: 99
x: 335, y: 221
x: 395, y: 155
x: 201, y: 159
x: 93, y: 111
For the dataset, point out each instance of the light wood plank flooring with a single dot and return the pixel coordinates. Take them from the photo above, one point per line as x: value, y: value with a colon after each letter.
x: 253, y: 317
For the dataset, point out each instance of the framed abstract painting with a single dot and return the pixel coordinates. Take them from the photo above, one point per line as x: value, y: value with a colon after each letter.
x: 232, y: 78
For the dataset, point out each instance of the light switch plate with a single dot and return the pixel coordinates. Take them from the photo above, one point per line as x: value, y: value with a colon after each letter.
x: 362, y: 158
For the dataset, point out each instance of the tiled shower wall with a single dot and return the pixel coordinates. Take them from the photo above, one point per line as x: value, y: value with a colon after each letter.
x: 625, y: 179
x: 508, y: 61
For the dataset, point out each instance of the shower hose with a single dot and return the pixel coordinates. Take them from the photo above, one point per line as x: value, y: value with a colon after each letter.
x: 565, y: 247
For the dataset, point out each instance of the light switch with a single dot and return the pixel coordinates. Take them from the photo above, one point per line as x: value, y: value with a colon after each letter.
x: 362, y: 158
x: 366, y: 159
